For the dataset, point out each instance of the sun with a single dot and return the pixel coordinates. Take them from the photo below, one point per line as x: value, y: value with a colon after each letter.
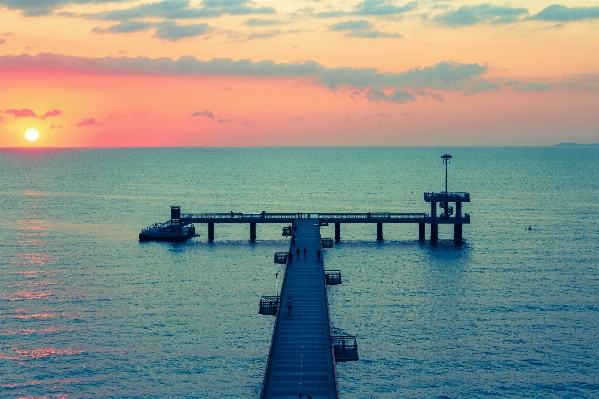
x: 32, y: 134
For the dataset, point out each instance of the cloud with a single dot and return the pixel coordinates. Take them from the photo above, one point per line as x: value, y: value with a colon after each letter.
x: 262, y: 22
x: 1, y: 119
x: 361, y: 29
x: 89, y: 122
x: 2, y: 40
x: 48, y: 114
x: 534, y: 86
x: 21, y: 113
x: 480, y: 14
x: 169, y: 30
x: 352, y: 25
x: 447, y: 75
x: 371, y: 8
x: 125, y: 27
x: 55, y: 127
x: 207, y: 114
x: 559, y: 13
x: 481, y: 85
x: 180, y: 9
x: 513, y: 83
x: 397, y: 96
x: 33, y: 8
x: 382, y: 7
x: 166, y: 30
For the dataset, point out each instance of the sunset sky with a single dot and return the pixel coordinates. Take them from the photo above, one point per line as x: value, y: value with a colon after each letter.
x: 94, y: 73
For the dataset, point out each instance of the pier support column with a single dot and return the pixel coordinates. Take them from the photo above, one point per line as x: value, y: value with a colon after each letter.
x: 252, y: 232
x: 337, y: 232
x: 457, y: 233
x: 210, y: 232
x: 421, y: 231
x: 458, y: 209
x: 379, y: 232
x: 433, y: 210
x: 434, y: 231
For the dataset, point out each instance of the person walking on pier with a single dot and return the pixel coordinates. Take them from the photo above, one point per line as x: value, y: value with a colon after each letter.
x: 290, y: 257
x: 297, y: 251
x: 289, y: 305
x: 318, y: 254
x: 305, y: 252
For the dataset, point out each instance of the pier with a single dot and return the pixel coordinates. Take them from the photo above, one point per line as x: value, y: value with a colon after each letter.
x: 301, y: 358
x: 303, y: 352
x: 181, y: 226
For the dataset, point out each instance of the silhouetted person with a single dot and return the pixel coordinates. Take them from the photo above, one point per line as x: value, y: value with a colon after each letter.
x: 293, y: 240
x: 305, y: 252
x: 232, y: 214
x: 318, y: 254
x: 289, y: 305
x: 290, y: 257
x: 297, y: 251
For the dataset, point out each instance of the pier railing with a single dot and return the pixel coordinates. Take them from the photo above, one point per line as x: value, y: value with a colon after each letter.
x: 370, y: 215
x: 239, y: 215
x: 274, y: 329
x: 452, y: 196
x: 156, y: 225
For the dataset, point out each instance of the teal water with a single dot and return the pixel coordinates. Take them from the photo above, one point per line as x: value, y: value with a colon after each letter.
x: 87, y: 311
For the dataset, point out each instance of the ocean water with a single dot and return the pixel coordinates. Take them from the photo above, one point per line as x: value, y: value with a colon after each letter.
x: 87, y: 311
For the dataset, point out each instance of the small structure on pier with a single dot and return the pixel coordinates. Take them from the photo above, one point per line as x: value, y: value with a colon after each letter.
x: 281, y: 257
x: 269, y: 305
x: 345, y: 348
x: 326, y: 242
x: 332, y: 277
x: 448, y: 216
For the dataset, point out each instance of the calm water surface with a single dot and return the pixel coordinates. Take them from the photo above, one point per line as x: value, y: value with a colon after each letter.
x: 87, y: 311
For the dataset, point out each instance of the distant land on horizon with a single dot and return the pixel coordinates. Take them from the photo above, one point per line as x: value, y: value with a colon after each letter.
x: 575, y: 145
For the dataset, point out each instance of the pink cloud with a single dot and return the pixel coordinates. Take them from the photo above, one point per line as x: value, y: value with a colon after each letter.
x: 21, y: 113
x: 89, y: 122
x: 48, y: 114
x: 1, y: 119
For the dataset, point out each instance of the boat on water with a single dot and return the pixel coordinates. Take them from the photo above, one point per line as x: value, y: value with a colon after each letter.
x: 167, y: 232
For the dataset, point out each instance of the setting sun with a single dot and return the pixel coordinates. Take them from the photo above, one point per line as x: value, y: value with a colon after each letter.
x: 32, y: 134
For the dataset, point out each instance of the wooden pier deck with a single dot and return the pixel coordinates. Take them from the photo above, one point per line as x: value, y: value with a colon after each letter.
x: 301, y: 354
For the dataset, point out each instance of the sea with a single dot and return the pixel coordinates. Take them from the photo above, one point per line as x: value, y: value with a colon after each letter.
x: 87, y: 311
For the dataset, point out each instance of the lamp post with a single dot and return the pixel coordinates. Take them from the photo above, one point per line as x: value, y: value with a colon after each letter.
x: 446, y: 159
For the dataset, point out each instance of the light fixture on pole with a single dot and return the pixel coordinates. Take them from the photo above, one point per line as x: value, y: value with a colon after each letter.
x: 446, y: 159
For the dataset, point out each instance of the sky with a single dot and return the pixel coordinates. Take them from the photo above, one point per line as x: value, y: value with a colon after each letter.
x: 95, y: 73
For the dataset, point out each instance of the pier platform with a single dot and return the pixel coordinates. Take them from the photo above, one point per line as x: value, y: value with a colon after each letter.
x: 301, y: 358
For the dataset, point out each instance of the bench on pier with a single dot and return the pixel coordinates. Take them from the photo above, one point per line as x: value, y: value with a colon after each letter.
x: 332, y: 277
x: 281, y: 257
x: 345, y: 348
x: 269, y: 305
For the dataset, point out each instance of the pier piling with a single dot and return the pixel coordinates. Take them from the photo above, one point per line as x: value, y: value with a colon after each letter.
x: 379, y: 232
x: 210, y: 232
x: 434, y: 231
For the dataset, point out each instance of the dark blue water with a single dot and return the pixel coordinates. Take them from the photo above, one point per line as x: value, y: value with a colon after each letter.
x: 86, y: 311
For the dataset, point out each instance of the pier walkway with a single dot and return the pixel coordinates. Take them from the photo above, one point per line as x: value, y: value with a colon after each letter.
x: 301, y: 354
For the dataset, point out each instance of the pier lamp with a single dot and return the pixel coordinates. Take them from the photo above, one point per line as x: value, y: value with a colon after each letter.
x: 446, y: 159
